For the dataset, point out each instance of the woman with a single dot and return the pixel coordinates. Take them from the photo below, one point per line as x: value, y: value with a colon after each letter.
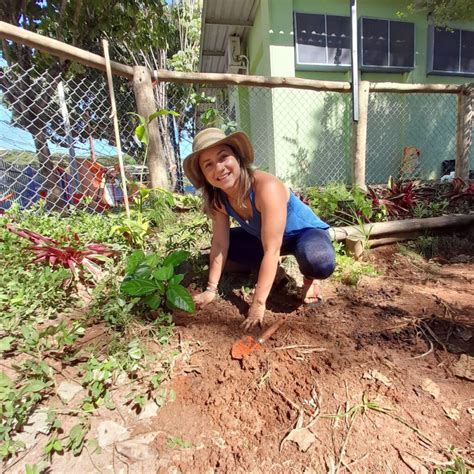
x: 273, y: 221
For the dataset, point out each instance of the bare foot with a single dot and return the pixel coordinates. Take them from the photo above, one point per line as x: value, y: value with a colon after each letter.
x: 311, y: 292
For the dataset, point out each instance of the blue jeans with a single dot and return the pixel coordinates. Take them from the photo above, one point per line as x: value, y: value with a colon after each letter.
x: 312, y: 249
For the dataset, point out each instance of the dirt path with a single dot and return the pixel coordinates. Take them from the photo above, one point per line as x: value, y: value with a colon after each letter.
x: 382, y: 357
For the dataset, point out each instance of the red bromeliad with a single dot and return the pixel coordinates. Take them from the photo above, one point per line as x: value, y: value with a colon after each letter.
x: 69, y: 252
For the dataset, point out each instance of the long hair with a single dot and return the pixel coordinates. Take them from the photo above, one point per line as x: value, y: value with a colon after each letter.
x: 213, y: 196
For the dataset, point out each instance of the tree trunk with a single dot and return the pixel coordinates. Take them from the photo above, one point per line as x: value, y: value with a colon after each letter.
x: 156, y: 161
x: 47, y: 172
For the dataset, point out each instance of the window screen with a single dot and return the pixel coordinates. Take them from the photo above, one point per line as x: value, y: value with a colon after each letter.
x: 402, y: 44
x: 375, y: 42
x: 446, y: 50
x: 388, y: 44
x: 322, y: 39
x: 467, y: 51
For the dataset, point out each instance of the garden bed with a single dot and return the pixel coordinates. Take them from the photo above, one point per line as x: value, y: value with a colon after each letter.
x: 376, y: 366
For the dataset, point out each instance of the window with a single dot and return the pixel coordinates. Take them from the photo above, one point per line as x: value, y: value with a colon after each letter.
x: 387, y: 44
x: 451, y: 51
x: 322, y: 39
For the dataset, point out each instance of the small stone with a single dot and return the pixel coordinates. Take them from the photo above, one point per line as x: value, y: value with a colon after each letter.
x: 28, y: 438
x: 110, y: 432
x: 68, y: 390
x: 149, y: 410
x: 136, y: 451
x: 38, y: 423
x: 429, y: 386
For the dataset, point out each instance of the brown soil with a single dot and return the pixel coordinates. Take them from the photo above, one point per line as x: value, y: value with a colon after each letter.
x: 409, y: 325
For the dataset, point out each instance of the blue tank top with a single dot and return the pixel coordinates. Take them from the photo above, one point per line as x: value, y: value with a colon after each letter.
x: 299, y: 217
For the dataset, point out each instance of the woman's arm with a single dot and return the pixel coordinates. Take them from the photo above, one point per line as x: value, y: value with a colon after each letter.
x: 219, y: 247
x: 272, y: 198
x: 217, y: 257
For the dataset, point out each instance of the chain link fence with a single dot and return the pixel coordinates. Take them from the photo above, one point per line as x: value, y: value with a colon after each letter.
x: 57, y: 140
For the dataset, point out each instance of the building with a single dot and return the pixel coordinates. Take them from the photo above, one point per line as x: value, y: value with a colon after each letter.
x: 305, y: 136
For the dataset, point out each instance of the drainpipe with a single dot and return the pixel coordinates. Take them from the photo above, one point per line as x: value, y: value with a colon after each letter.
x: 355, y: 61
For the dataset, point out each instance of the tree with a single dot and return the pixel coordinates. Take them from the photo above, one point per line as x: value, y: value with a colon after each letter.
x: 442, y: 12
x: 82, y: 23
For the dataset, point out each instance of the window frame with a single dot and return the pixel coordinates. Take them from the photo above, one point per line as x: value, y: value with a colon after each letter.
x: 430, y: 53
x: 388, y: 68
x: 313, y: 66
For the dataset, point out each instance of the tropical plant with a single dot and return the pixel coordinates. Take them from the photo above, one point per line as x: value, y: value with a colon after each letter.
x: 154, y: 282
x: 69, y: 252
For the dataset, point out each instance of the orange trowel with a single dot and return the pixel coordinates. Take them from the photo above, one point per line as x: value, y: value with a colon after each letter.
x: 245, y: 346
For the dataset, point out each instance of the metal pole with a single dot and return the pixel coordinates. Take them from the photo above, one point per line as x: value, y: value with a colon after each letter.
x: 105, y: 45
x: 75, y: 182
x: 355, y: 61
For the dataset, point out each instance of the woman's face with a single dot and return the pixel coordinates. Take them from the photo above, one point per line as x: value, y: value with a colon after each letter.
x: 220, y: 167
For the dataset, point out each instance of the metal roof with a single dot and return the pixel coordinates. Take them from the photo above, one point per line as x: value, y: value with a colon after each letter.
x: 221, y: 19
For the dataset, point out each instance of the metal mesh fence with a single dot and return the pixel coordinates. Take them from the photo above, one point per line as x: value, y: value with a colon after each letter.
x: 57, y: 140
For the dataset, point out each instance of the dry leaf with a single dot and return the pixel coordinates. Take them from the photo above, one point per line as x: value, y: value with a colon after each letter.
x: 471, y: 412
x: 376, y: 375
x: 302, y: 437
x: 299, y: 435
x: 452, y: 413
x: 429, y: 386
x: 464, y: 367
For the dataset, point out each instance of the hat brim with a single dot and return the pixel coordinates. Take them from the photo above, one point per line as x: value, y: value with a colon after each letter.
x: 239, y: 141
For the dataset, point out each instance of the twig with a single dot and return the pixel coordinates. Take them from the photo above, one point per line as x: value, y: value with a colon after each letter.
x: 344, y: 445
x: 92, y: 462
x: 301, y: 346
x: 427, y: 352
x: 292, y: 404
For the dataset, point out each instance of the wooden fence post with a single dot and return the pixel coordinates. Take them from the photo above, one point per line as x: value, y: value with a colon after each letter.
x: 145, y: 99
x: 359, y: 137
x: 464, y: 131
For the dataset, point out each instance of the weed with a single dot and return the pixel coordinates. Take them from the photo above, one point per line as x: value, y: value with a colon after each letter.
x: 349, y: 270
x: 178, y: 442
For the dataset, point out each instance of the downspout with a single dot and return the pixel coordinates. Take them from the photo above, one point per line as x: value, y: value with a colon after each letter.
x: 355, y: 61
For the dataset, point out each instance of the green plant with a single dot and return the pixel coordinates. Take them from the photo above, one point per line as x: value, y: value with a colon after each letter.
x: 142, y: 133
x: 325, y: 201
x: 430, y: 209
x: 348, y: 270
x: 153, y: 280
x: 178, y: 442
x: 133, y: 229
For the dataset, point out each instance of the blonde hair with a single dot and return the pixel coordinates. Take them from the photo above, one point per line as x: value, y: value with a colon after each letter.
x: 213, y: 196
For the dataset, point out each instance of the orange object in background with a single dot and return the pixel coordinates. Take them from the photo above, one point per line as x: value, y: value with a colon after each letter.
x: 90, y: 176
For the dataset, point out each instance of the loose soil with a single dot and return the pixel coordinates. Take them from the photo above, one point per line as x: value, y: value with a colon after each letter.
x: 391, y: 340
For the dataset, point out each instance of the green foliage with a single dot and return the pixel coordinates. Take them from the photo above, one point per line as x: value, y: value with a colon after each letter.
x: 430, y: 209
x: 153, y: 281
x: 348, y: 270
x: 213, y: 118
x: 441, y: 12
x: 134, y: 229
x: 325, y: 201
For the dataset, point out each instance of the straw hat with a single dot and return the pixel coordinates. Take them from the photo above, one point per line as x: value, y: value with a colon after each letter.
x: 208, y: 138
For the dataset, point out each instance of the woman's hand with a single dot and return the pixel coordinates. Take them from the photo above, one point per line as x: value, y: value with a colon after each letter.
x: 204, y: 298
x: 255, y: 315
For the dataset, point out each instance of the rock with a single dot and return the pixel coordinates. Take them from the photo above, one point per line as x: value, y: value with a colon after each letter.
x: 376, y: 375
x: 68, y: 390
x: 38, y: 423
x: 136, y: 451
x: 28, y: 438
x: 302, y: 437
x: 464, y: 367
x: 110, y: 432
x: 429, y: 386
x: 149, y: 410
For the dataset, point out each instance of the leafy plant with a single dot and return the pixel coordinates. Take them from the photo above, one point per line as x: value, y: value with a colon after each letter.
x: 69, y: 252
x: 153, y: 281
x: 133, y: 229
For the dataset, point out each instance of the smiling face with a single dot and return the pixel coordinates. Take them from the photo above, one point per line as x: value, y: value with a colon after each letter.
x: 220, y: 167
